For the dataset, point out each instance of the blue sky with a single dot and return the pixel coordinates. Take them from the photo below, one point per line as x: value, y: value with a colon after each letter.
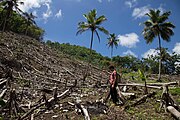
x: 59, y: 18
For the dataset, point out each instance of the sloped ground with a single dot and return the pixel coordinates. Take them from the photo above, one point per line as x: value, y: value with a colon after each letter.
x: 32, y: 69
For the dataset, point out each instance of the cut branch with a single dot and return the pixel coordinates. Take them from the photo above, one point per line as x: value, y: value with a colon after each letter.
x: 134, y: 84
x: 3, y: 93
x: 140, y: 100
x: 43, y: 103
x: 161, y: 84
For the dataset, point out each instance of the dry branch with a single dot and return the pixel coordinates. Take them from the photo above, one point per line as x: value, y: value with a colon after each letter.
x: 140, y: 100
x: 43, y: 103
x: 3, y: 93
x: 167, y: 99
x: 161, y: 84
x: 3, y: 82
x: 140, y: 85
x: 135, y: 84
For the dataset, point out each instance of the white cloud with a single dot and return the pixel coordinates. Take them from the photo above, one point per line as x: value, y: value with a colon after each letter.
x: 58, y: 14
x: 150, y: 52
x: 128, y: 40
x: 48, y: 12
x: 140, y: 12
x: 176, y: 48
x: 129, y: 52
x: 30, y: 4
x: 131, y: 3
x: 35, y: 5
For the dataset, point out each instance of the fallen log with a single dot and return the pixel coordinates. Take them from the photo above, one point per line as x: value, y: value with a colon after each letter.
x: 43, y: 103
x: 140, y: 85
x: 162, y: 84
x: 140, y: 100
x: 134, y: 84
x: 174, y: 112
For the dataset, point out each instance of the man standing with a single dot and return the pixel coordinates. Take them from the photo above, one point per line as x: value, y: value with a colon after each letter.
x: 113, y: 84
x: 115, y: 93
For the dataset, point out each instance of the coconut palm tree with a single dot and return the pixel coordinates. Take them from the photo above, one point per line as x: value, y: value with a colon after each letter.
x: 29, y: 21
x: 112, y: 41
x: 8, y: 8
x: 157, y: 26
x: 93, y: 24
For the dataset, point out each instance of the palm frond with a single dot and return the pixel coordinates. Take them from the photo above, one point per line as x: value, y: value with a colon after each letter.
x: 100, y: 20
x: 166, y: 33
x: 93, y: 13
x: 80, y: 31
x: 167, y: 25
x: 164, y: 17
x: 149, y: 36
x: 148, y: 23
x: 102, y: 29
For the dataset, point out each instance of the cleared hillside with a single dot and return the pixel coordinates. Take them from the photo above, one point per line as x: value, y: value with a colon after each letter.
x: 32, y: 76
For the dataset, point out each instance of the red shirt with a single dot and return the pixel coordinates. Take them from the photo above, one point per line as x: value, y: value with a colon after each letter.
x: 112, y: 78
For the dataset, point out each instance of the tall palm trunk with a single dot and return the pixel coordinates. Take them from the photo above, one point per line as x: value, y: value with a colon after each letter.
x: 87, y: 73
x: 111, y: 51
x: 92, y: 35
x: 159, y: 75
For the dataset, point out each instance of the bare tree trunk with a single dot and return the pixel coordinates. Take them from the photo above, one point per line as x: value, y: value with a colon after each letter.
x: 159, y: 75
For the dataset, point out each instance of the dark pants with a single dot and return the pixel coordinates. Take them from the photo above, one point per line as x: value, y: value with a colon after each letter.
x: 113, y: 93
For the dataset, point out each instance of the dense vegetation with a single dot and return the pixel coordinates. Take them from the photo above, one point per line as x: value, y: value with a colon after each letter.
x: 13, y: 19
x: 128, y: 63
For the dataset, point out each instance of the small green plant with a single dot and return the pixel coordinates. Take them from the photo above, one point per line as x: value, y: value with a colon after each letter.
x: 143, y: 78
x: 175, y: 91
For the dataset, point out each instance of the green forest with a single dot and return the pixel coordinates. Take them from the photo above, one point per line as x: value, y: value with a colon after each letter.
x: 128, y: 63
x: 13, y: 19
